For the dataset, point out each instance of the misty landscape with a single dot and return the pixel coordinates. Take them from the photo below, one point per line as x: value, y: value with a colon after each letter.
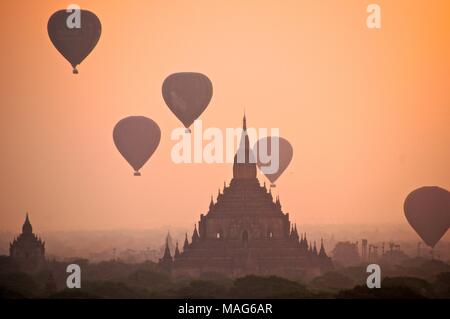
x: 124, y: 264
x: 133, y: 246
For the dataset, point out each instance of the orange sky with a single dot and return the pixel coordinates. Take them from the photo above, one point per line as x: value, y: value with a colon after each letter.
x: 367, y: 111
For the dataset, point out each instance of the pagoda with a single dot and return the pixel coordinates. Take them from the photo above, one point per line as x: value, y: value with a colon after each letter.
x: 27, y: 249
x: 245, y: 231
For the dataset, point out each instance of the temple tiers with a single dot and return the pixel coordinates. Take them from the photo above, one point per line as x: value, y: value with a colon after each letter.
x: 246, y: 232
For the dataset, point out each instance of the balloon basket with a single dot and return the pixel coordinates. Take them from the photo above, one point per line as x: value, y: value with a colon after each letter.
x: 188, y: 131
x: 75, y: 71
x: 137, y: 174
x: 273, y: 185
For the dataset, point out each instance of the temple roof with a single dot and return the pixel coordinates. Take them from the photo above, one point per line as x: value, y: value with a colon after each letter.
x: 27, y: 238
x: 244, y: 195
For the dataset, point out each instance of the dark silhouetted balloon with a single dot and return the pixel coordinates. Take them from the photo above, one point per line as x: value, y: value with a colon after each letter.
x: 136, y: 138
x: 74, y: 44
x: 187, y: 94
x: 264, y: 149
x: 427, y: 210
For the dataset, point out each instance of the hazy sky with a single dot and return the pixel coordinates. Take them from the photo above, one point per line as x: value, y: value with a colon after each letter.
x: 367, y: 111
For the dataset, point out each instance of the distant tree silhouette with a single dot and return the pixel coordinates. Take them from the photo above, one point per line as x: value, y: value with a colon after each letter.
x: 20, y: 283
x: 267, y: 287
x: 441, y: 285
x: 332, y: 281
x: 115, y: 279
x: 200, y: 289
x: 362, y: 292
x: 151, y: 280
x: 391, y: 288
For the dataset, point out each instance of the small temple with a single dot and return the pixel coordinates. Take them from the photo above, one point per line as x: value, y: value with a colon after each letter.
x: 245, y: 231
x: 27, y: 249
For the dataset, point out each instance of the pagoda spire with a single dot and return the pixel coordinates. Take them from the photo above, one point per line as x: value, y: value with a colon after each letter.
x: 167, y: 254
x: 294, y: 232
x: 315, y: 249
x: 27, y: 228
x: 211, y: 203
x: 244, y: 166
x: 166, y: 261
x: 169, y: 240
x: 195, y: 236
x: 177, y: 251
x: 186, y: 243
x: 322, y: 252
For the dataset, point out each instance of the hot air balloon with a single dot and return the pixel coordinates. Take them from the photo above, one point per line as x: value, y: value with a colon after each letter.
x: 74, y: 43
x: 136, y: 138
x: 187, y: 95
x: 273, y: 156
x: 427, y: 210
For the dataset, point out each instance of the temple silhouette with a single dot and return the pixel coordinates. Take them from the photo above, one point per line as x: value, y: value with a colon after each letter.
x: 27, y: 249
x: 246, y: 232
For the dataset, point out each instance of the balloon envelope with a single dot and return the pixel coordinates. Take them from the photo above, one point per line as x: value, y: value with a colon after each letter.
x: 136, y: 138
x: 187, y: 95
x: 427, y: 210
x: 74, y: 44
x: 273, y: 156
